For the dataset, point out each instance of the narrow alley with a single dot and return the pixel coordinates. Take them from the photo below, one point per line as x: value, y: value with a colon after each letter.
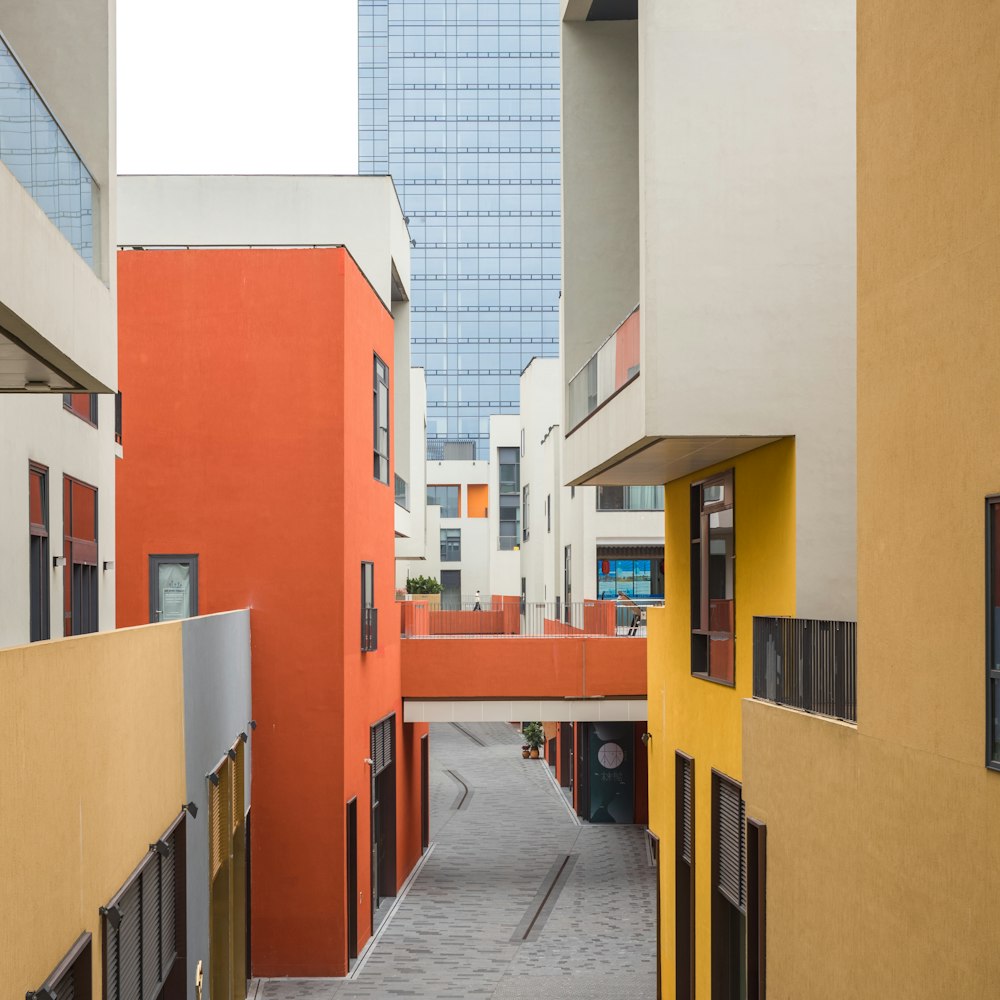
x: 514, y: 899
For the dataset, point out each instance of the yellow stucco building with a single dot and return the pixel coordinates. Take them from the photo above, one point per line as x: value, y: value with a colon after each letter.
x: 747, y: 535
x: 883, y: 854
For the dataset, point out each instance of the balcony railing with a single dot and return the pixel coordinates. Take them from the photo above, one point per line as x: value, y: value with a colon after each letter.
x: 369, y: 629
x: 807, y: 664
x: 612, y: 367
x: 402, y: 492
x: 507, y: 543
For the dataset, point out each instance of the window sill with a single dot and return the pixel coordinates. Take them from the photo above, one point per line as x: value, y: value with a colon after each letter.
x: 713, y: 680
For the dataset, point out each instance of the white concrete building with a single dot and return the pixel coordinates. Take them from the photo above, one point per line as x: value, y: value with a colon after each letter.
x: 708, y: 302
x: 584, y: 542
x: 57, y: 318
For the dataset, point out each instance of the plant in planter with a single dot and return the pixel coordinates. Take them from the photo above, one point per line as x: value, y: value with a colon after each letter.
x: 423, y: 585
x: 534, y: 737
x: 525, y: 750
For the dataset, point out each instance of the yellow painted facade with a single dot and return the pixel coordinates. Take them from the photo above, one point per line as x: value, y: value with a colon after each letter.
x: 92, y: 745
x: 702, y: 718
x: 883, y: 869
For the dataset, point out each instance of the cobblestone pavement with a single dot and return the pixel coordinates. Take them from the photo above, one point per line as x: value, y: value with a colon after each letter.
x: 460, y: 931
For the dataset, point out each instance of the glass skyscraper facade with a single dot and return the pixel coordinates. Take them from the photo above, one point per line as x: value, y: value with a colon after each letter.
x: 460, y: 103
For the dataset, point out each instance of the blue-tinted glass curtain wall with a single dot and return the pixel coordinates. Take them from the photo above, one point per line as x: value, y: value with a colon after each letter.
x: 460, y: 103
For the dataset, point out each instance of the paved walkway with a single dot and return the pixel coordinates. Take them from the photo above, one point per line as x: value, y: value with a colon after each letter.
x: 498, y: 910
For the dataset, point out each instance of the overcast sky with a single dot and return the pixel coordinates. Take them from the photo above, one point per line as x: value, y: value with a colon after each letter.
x: 237, y: 86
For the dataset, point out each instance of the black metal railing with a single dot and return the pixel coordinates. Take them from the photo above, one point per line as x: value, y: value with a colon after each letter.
x: 807, y: 664
x: 118, y: 418
x: 369, y: 629
x: 402, y: 492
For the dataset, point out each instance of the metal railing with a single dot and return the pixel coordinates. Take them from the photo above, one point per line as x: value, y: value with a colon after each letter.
x: 507, y: 543
x: 807, y: 664
x: 369, y: 629
x: 402, y: 492
x: 612, y: 366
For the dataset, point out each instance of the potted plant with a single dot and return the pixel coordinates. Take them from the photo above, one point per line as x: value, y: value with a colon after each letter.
x: 427, y: 588
x: 534, y: 737
x: 525, y: 750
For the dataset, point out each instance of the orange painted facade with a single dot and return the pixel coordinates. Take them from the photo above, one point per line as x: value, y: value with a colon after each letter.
x: 248, y: 381
x: 478, y: 499
x: 556, y: 667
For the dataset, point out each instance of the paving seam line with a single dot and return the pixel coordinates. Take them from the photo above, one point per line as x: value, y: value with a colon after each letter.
x: 465, y: 795
x: 562, y: 798
x: 472, y: 736
x: 545, y: 899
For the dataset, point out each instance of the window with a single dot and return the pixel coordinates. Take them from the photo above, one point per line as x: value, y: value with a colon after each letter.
x: 684, y: 841
x: 524, y: 503
x: 729, y: 890
x: 713, y: 579
x: 38, y: 541
x: 451, y: 545
x: 448, y: 498
x: 381, y: 420
x: 72, y: 977
x: 80, y: 582
x: 993, y: 633
x: 369, y: 613
x: 143, y: 925
x: 173, y: 587
x: 83, y: 404
x: 630, y: 498
x: 510, y: 471
x: 548, y: 513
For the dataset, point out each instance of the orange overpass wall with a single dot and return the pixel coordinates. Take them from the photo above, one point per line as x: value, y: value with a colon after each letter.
x: 557, y: 667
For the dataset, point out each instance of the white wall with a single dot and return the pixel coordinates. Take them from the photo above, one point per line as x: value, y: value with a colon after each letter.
x: 475, y: 563
x: 747, y: 258
x: 361, y: 213
x: 38, y: 429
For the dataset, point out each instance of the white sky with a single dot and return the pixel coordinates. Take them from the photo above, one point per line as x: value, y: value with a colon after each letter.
x: 237, y: 86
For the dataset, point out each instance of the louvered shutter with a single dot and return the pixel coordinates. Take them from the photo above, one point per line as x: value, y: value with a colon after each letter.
x: 381, y: 736
x: 150, y: 880
x: 110, y: 960
x: 687, y: 819
x: 130, y: 944
x: 168, y: 907
x: 65, y: 988
x: 730, y: 841
x: 218, y: 820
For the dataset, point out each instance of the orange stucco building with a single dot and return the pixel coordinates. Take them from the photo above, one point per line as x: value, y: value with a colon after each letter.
x: 256, y: 473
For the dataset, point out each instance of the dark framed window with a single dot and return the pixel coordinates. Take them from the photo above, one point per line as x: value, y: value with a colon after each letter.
x: 525, y: 498
x: 380, y: 419
x: 72, y: 977
x: 144, y: 927
x: 510, y: 471
x: 756, y: 910
x: 448, y: 498
x: 369, y: 613
x: 713, y: 579
x: 83, y: 404
x: 648, y: 498
x: 993, y: 632
x: 568, y: 575
x: 510, y: 522
x: 684, y: 841
x: 39, y: 573
x: 729, y: 890
x: 451, y: 545
x: 173, y: 587
x: 80, y: 579
x: 548, y: 513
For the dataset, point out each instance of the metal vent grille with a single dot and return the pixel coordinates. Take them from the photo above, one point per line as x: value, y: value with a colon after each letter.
x: 687, y: 817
